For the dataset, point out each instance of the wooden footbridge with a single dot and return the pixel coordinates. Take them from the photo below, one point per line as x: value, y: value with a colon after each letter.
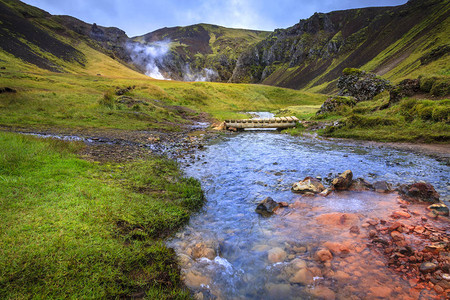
x: 278, y: 123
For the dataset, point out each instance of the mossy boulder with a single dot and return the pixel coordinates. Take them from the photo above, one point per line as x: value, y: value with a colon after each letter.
x: 336, y: 103
x: 361, y: 84
x: 406, y: 88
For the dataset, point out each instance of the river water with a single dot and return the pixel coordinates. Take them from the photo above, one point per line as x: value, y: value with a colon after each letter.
x: 230, y: 252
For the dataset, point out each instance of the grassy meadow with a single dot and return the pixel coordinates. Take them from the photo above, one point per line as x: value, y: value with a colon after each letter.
x: 72, y: 228
x: 85, y: 97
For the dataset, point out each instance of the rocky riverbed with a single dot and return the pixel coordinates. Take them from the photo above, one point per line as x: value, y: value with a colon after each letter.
x: 368, y: 243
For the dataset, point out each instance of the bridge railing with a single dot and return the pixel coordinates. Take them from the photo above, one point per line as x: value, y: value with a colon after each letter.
x: 281, y: 122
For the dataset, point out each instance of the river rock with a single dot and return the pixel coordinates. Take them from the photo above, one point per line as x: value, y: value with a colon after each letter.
x: 419, y: 191
x: 195, y: 280
x: 203, y: 250
x: 323, y: 255
x: 322, y: 292
x: 336, y: 248
x: 325, y: 192
x: 298, y: 264
x: 427, y: 267
x: 439, y: 209
x: 267, y: 207
x: 278, y: 291
x: 397, y: 236
x: 303, y: 276
x: 382, y: 187
x: 308, y: 185
x: 276, y: 255
x: 221, y: 126
x: 361, y: 184
x: 343, y: 181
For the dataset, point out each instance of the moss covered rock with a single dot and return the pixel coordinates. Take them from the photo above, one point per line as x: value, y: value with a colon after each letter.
x: 361, y: 84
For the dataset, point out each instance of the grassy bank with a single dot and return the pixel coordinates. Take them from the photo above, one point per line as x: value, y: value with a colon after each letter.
x: 409, y: 120
x: 72, y: 228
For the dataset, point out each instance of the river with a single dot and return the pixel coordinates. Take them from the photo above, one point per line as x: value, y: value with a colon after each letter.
x: 230, y: 252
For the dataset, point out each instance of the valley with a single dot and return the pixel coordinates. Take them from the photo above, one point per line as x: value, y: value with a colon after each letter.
x: 118, y: 180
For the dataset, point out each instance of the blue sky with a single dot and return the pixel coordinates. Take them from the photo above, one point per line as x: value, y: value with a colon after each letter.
x: 138, y: 17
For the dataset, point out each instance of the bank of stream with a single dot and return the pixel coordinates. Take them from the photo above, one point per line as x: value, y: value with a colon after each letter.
x: 228, y: 251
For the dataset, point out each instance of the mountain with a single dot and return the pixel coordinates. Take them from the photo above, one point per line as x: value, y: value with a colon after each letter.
x: 192, y: 53
x: 390, y: 41
x: 395, y: 42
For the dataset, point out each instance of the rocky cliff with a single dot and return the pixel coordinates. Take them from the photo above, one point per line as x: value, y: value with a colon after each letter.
x: 314, y: 52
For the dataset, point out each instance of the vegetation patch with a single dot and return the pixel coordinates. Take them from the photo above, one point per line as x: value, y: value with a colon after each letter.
x: 71, y: 228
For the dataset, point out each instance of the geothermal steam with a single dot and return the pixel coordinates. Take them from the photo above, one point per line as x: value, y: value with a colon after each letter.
x: 149, y: 56
x: 154, y: 58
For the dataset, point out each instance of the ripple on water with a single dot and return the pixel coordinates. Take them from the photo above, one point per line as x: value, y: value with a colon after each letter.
x: 244, y: 169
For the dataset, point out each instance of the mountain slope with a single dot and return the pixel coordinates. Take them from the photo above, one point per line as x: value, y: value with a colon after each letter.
x: 314, y: 52
x: 191, y: 52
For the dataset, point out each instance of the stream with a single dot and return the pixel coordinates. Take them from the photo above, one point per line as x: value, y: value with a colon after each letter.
x: 228, y: 251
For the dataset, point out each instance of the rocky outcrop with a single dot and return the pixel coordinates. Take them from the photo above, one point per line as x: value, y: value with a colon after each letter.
x: 306, y: 53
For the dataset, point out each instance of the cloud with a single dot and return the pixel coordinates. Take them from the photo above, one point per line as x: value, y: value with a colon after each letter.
x: 232, y: 13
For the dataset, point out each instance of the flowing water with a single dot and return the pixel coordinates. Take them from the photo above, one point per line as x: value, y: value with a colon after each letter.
x: 230, y: 252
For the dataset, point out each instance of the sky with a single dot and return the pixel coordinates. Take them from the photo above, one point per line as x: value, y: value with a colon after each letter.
x: 138, y: 17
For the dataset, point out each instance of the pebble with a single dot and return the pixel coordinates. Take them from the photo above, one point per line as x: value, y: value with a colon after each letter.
x: 427, y: 267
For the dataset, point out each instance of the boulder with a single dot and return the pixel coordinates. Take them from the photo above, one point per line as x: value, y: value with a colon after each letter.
x: 343, y: 181
x: 419, y: 191
x: 382, y: 187
x: 360, y: 84
x: 335, y: 103
x: 267, y: 207
x: 308, y: 185
x: 439, y: 209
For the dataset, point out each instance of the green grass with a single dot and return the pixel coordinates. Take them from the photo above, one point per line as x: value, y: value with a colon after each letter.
x: 410, y: 120
x: 46, y: 99
x: 75, y: 229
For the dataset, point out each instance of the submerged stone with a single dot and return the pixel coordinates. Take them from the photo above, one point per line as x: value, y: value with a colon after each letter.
x: 382, y: 187
x: 267, y: 207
